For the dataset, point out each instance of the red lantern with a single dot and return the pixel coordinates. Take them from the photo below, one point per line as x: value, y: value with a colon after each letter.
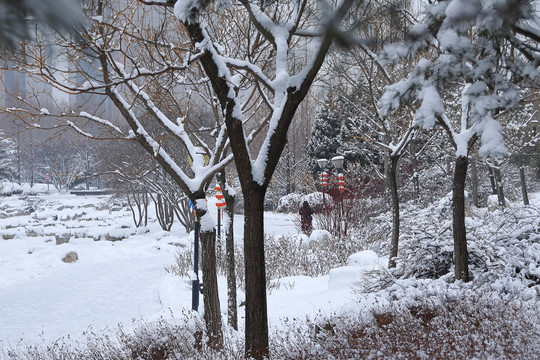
x: 220, y: 198
x: 341, y: 182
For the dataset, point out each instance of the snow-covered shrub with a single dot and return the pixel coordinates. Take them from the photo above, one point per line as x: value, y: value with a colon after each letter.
x: 291, y: 203
x: 289, y: 256
x: 501, y: 244
x: 431, y: 320
x: 183, y: 338
x: 183, y: 265
x: 348, y: 214
x: 10, y: 188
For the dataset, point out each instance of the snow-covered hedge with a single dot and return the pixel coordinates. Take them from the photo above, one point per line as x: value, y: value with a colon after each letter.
x: 419, y: 320
x: 10, y: 188
x: 411, y: 320
x: 291, y: 203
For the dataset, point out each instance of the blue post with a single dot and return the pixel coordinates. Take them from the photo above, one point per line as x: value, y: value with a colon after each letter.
x: 195, y: 282
x: 219, y: 223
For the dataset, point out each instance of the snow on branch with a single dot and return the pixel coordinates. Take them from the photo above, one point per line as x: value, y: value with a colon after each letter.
x: 192, y: 185
x: 252, y: 69
x: 79, y: 130
x: 100, y: 121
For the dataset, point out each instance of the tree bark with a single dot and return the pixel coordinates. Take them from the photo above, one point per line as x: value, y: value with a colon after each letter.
x: 523, y: 182
x: 256, y: 303
x: 461, y: 262
x: 392, y: 181
x: 474, y: 175
x: 500, y: 187
x: 492, y: 181
x: 212, y: 312
x: 232, y: 307
x: 414, y: 164
x: 387, y: 186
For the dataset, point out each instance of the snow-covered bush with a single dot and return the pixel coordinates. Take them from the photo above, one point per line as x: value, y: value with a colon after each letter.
x: 430, y: 320
x: 183, y: 338
x: 411, y: 320
x: 10, y: 188
x: 502, y: 244
x: 291, y: 203
x: 289, y: 256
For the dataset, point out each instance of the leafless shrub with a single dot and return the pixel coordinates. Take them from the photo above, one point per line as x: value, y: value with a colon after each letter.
x: 451, y: 325
x: 148, y: 341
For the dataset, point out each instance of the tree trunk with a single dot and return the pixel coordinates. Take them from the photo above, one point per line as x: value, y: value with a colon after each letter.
x: 212, y: 312
x: 500, y: 187
x: 523, y: 182
x: 387, y: 186
x: 492, y: 181
x: 414, y: 164
x: 288, y: 180
x: 392, y: 181
x: 461, y: 262
x: 256, y: 309
x: 474, y: 176
x: 232, y: 308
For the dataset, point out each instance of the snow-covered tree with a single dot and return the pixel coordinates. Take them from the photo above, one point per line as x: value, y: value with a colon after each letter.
x: 378, y: 140
x: 7, y: 158
x: 332, y: 133
x: 139, y: 60
x: 520, y: 137
x: 246, y: 49
x: 482, y: 50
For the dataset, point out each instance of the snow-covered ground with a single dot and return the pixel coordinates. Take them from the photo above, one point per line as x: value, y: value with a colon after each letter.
x: 43, y: 298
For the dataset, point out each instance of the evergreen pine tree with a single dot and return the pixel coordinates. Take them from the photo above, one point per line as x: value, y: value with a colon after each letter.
x: 7, y: 160
x: 324, y: 142
x: 334, y: 131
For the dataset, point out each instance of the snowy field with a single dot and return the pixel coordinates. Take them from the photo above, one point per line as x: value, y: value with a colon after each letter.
x: 120, y: 274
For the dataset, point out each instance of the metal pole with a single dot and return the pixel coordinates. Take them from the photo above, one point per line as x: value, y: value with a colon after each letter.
x: 324, y: 199
x: 195, y: 281
x: 219, y: 223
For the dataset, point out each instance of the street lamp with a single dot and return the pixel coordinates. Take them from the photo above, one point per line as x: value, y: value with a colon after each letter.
x: 338, y: 163
x: 323, y: 178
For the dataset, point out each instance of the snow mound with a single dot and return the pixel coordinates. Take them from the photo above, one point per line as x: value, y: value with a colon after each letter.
x: 320, y: 235
x: 10, y: 188
x: 364, y: 258
x: 301, y: 239
x: 358, y: 263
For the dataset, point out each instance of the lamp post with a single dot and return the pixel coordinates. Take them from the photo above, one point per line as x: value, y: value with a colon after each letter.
x: 337, y: 161
x: 323, y: 178
x: 338, y: 164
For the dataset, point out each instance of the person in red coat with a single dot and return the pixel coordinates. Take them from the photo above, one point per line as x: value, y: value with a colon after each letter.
x: 306, y: 215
